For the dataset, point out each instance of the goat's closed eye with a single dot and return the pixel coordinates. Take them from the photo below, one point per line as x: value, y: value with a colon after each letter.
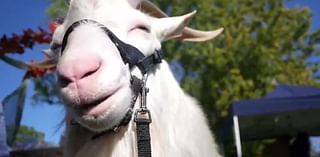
x: 144, y: 28
x: 55, y: 48
x: 141, y: 28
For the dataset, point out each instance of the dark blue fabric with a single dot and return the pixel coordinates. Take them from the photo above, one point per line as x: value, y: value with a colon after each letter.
x: 284, y: 98
x: 283, y: 91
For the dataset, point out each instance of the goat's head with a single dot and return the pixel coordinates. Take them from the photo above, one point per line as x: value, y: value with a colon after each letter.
x: 94, y: 81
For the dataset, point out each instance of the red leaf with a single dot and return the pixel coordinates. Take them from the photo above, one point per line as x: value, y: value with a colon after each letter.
x: 17, y: 43
x: 53, y: 25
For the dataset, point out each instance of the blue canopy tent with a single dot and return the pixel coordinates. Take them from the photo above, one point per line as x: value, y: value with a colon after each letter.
x: 285, y: 111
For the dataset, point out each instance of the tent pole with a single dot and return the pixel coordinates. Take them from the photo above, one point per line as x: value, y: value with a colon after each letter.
x: 237, y: 135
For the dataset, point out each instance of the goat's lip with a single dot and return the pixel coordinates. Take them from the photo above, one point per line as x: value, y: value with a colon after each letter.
x: 92, y: 104
x: 96, y: 107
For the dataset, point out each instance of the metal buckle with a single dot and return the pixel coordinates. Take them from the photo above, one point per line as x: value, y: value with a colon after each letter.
x: 157, y: 57
x: 142, y: 116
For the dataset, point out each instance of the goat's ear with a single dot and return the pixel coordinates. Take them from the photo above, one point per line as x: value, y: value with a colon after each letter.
x: 134, y: 3
x: 188, y: 34
x: 171, y: 27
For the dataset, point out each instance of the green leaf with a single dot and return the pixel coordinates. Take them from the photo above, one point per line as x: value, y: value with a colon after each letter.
x: 16, y: 63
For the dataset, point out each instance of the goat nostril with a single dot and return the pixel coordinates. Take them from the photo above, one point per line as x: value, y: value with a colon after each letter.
x: 89, y: 73
x: 63, y: 81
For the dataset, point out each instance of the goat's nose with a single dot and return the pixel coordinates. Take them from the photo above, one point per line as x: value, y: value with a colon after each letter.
x: 77, y: 68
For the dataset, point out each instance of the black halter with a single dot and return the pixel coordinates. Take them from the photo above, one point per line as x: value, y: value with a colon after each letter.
x: 132, y: 56
x: 129, y: 54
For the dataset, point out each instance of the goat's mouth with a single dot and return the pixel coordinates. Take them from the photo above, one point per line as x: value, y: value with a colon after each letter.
x: 96, y: 107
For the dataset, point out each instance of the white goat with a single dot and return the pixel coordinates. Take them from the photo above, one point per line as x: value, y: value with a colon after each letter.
x: 95, y: 83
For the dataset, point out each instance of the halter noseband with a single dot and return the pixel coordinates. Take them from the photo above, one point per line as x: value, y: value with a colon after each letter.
x: 132, y: 56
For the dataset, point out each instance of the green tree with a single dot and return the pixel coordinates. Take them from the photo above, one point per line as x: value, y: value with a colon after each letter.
x: 264, y: 44
x: 28, y: 137
x: 58, y: 8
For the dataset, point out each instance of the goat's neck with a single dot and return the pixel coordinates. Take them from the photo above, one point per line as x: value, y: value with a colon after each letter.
x: 163, y: 87
x: 164, y: 96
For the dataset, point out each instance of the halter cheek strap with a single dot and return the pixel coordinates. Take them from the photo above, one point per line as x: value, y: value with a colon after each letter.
x: 135, y: 58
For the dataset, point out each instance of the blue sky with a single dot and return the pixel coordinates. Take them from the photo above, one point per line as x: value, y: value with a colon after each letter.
x: 17, y: 15
x: 314, y: 5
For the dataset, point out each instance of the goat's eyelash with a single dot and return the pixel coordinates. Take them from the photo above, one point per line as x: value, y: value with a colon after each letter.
x: 144, y: 28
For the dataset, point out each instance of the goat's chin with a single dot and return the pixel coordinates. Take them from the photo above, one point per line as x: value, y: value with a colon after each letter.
x: 120, y: 102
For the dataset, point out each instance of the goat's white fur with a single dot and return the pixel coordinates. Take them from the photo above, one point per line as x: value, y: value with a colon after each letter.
x: 179, y: 127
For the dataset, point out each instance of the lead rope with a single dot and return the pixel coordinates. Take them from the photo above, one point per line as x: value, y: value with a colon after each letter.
x: 142, y: 118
